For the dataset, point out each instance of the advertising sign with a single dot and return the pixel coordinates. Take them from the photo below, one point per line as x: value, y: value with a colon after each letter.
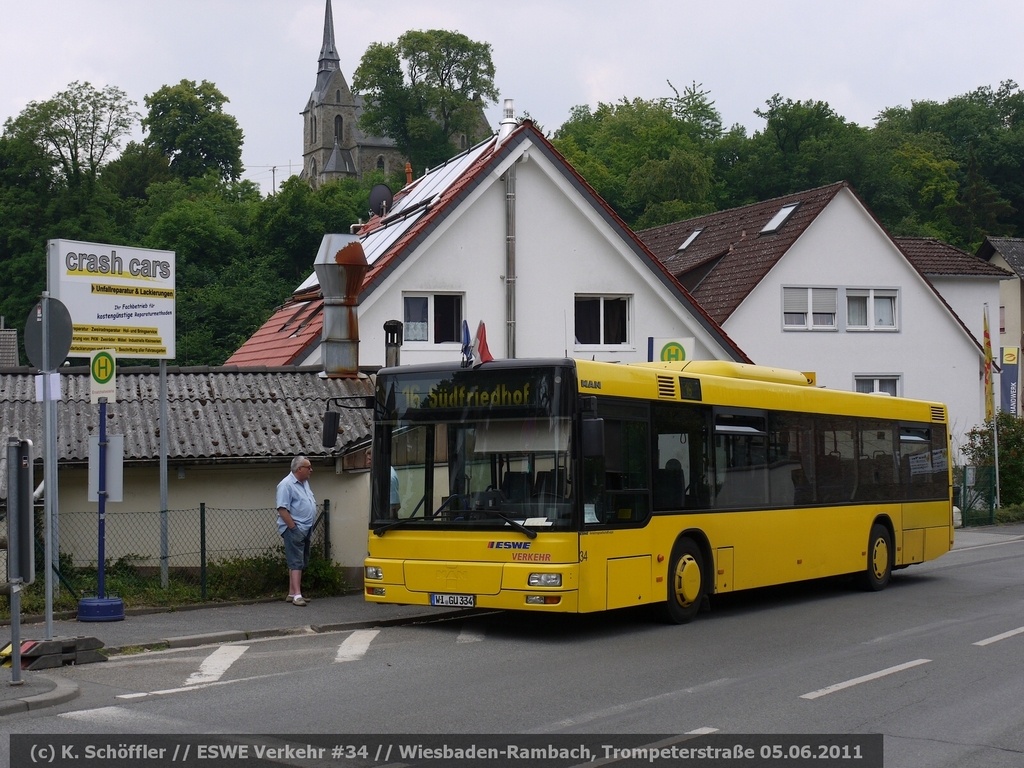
x: 1008, y: 380
x: 119, y: 298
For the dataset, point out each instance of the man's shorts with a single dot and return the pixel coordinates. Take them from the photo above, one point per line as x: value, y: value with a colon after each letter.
x: 296, y: 548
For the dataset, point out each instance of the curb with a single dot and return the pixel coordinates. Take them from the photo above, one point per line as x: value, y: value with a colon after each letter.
x: 211, y: 638
x: 62, y: 691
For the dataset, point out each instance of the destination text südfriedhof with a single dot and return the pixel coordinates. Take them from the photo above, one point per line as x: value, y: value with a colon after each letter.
x: 465, y: 750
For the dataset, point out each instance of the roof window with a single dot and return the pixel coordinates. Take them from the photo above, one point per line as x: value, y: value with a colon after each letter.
x: 690, y: 239
x: 779, y: 218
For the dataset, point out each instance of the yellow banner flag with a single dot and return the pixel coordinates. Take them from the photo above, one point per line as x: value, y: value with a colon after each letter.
x: 990, y: 407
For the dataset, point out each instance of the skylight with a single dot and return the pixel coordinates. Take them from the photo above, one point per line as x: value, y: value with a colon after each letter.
x: 779, y: 218
x: 690, y: 239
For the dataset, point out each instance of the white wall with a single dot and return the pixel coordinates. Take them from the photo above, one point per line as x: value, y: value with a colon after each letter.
x: 931, y: 353
x: 241, y: 512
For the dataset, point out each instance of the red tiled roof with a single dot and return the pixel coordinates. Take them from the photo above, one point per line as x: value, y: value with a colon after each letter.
x: 285, y: 338
x: 936, y: 258
x: 730, y: 256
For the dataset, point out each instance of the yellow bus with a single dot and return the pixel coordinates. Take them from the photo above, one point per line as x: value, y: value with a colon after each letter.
x: 577, y: 486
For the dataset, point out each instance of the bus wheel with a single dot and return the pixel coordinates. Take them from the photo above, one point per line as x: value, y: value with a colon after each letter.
x: 879, y: 567
x: 686, y: 585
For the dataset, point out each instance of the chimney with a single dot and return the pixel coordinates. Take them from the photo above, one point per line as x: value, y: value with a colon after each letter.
x: 508, y: 121
x: 340, y: 267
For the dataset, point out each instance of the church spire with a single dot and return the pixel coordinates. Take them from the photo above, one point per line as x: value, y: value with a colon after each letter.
x: 329, y: 59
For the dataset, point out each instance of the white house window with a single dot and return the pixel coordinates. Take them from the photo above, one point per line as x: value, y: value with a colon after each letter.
x: 889, y: 385
x: 871, y: 309
x: 602, y: 320
x: 809, y: 309
x: 433, y: 317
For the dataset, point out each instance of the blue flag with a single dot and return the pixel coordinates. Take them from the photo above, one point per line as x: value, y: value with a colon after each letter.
x: 467, y: 345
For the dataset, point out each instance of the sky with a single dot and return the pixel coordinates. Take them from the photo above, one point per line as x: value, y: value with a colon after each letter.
x: 860, y: 57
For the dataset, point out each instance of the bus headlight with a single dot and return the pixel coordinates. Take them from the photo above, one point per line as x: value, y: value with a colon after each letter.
x: 545, y: 580
x: 373, y: 572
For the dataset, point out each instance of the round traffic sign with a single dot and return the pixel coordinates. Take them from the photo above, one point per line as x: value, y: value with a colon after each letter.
x: 59, y: 333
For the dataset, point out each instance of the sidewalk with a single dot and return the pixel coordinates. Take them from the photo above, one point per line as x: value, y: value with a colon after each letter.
x: 208, y: 624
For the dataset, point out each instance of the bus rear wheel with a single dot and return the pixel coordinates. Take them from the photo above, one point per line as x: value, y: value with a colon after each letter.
x: 686, y: 583
x: 879, y: 567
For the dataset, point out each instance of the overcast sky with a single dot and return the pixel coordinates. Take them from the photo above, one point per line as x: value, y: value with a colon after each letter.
x: 550, y: 55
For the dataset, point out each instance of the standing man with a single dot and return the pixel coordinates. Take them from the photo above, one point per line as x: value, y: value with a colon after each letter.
x: 296, y: 512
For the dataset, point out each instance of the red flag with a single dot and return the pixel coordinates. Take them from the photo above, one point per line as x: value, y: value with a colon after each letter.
x: 481, y: 354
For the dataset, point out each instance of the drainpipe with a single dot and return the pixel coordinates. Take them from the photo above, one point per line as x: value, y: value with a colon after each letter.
x: 508, y: 124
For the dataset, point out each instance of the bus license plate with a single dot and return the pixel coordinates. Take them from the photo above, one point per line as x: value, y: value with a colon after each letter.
x: 450, y: 600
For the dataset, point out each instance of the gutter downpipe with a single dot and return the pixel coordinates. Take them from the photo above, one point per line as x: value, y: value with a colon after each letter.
x: 508, y: 124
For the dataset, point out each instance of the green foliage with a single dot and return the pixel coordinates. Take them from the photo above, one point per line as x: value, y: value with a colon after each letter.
x: 643, y: 157
x: 424, y: 91
x: 188, y: 125
x: 978, y: 449
x: 78, y: 129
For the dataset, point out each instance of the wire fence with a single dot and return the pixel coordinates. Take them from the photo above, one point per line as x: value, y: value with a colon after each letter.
x: 208, y: 552
x: 974, y: 492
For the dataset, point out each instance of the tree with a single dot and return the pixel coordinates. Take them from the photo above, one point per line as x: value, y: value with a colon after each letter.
x: 643, y: 158
x: 979, y: 453
x: 187, y: 123
x: 426, y: 90
x: 79, y: 128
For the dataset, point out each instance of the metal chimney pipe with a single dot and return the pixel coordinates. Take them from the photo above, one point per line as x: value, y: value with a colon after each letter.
x: 392, y: 342
x: 340, y: 267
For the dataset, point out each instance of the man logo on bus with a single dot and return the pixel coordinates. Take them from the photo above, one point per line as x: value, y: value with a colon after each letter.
x: 673, y: 352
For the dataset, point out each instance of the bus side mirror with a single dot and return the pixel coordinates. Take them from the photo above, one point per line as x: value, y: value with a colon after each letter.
x: 593, y: 438
x: 332, y: 420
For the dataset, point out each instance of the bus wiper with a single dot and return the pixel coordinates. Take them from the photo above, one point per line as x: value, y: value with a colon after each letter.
x: 380, y: 530
x: 530, y: 533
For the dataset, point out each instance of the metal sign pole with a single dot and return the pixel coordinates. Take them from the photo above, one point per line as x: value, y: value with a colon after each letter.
x: 49, y: 467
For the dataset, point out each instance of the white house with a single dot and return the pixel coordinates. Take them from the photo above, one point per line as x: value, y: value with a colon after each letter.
x: 507, y: 234
x: 812, y: 281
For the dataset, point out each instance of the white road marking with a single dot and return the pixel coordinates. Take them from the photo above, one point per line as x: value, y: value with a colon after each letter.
x: 469, y: 636
x: 1003, y: 636
x: 216, y: 664
x: 355, y: 645
x: 864, y: 679
x: 701, y: 731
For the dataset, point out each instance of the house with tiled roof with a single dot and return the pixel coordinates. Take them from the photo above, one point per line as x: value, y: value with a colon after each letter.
x: 1008, y: 253
x: 812, y: 281
x: 230, y: 437
x: 508, y: 234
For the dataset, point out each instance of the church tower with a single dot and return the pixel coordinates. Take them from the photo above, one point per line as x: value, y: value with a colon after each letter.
x: 333, y: 146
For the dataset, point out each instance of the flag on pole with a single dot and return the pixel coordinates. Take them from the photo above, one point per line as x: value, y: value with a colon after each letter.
x: 990, y: 408
x: 481, y: 353
x: 467, y: 347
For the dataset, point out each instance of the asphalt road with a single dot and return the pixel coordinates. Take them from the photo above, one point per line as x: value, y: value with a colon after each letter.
x: 933, y: 663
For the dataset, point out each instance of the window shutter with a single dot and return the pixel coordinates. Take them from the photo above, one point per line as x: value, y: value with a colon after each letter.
x: 794, y: 300
x: 824, y: 300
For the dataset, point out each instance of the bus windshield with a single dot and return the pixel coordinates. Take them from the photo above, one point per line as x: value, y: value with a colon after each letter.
x: 490, y: 473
